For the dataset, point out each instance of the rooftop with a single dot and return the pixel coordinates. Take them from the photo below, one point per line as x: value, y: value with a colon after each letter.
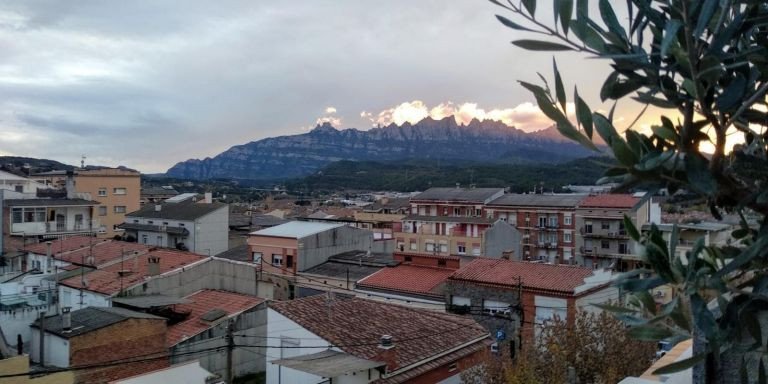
x: 534, y: 200
x: 185, y: 210
x: 408, y: 279
x: 203, y: 302
x: 392, y: 204
x: 239, y: 253
x: 90, y: 319
x: 108, y: 280
x: 62, y: 245
x: 102, y: 252
x: 610, y: 200
x: 473, y: 195
x: 158, y: 191
x: 537, y: 276
x: 155, y: 228
x: 296, y: 229
x: 356, y: 326
x: 264, y: 220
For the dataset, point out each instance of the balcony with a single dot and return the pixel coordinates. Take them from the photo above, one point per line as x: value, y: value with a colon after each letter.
x: 605, y: 235
x: 55, y: 227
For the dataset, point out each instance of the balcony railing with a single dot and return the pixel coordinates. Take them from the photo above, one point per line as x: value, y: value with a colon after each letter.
x: 52, y: 227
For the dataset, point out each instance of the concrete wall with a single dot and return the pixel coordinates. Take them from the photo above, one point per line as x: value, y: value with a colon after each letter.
x: 80, y: 298
x: 20, y: 364
x: 250, y: 328
x: 502, y: 237
x: 56, y: 349
x: 317, y: 248
x: 211, y: 233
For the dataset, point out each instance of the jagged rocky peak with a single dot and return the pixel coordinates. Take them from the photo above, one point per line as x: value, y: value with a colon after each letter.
x: 304, y: 154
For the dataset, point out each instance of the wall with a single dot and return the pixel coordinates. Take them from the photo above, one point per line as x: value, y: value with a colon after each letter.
x: 408, y: 301
x: 526, y: 219
x: 168, y: 241
x: 501, y: 237
x: 316, y: 249
x: 56, y: 349
x: 601, y: 296
x: 20, y: 364
x: 250, y: 328
x: 89, y: 181
x: 71, y: 297
x: 211, y: 233
x: 280, y: 327
x: 268, y: 246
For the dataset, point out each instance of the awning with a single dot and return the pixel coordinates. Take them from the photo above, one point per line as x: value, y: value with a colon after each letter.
x: 328, y: 363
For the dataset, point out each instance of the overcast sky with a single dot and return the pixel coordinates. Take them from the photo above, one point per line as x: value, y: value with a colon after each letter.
x: 146, y: 84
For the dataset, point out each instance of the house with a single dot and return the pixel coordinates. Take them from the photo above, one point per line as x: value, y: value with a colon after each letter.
x: 151, y: 195
x: 341, y: 272
x: 453, y: 221
x: 525, y: 294
x: 296, y: 246
x: 19, y: 184
x: 205, y: 316
x: 385, y: 216
x: 98, y: 287
x: 412, y: 285
x: 183, y: 222
x: 343, y: 339
x: 96, y: 335
x: 604, y: 241
x: 546, y: 222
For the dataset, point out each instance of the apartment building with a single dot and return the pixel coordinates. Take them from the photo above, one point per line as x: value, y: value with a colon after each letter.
x: 447, y: 221
x: 116, y: 189
x: 603, y: 240
x: 546, y: 223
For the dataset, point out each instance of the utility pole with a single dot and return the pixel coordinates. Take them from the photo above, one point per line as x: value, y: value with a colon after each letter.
x: 230, y: 350
x: 41, y: 355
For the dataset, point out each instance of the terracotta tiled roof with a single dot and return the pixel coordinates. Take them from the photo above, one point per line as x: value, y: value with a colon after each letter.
x: 202, y: 302
x: 536, y: 276
x: 404, y: 278
x: 610, y: 200
x: 103, y: 252
x: 62, y: 245
x: 356, y: 325
x: 108, y: 281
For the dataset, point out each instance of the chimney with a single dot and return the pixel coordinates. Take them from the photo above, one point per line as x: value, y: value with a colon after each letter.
x: 208, y: 198
x: 153, y: 266
x: 66, y: 319
x: 387, y: 353
x: 158, y: 207
x: 386, y: 342
x: 70, y: 185
x: 49, y: 255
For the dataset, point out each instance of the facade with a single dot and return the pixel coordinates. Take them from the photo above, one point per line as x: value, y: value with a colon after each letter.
x: 116, y: 190
x: 518, y: 296
x: 353, y: 340
x: 297, y: 246
x: 183, y: 222
x: 603, y: 240
x: 546, y: 222
x: 20, y: 363
x: 96, y: 335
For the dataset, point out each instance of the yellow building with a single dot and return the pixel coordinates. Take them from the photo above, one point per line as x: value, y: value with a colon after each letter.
x: 118, y: 191
x: 20, y: 364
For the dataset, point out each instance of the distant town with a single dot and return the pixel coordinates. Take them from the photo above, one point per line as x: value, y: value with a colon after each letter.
x: 105, y: 278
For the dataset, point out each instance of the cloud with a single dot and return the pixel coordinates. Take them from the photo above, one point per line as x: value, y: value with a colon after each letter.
x: 329, y: 117
x: 525, y: 116
x: 330, y: 110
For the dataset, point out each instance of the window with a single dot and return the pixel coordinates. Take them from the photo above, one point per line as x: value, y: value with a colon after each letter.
x: 408, y: 259
x: 165, y: 223
x: 18, y: 188
x: 462, y: 249
x: 605, y: 225
x: 566, y: 237
x: 289, y: 261
x: 102, y: 211
x: 476, y: 250
x: 605, y: 244
x: 119, y: 208
x: 443, y: 248
x: 102, y: 192
x: 160, y: 241
x: 567, y: 219
x: 277, y: 260
x: 16, y: 216
x: 566, y: 254
x: 496, y: 307
x: 623, y: 248
x: 457, y: 211
x: 181, y: 224
x: 588, y: 227
x: 414, y: 246
x: 542, y: 221
x: 257, y: 257
x: 478, y: 212
x: 553, y: 221
x: 144, y: 239
x: 119, y: 191
x: 430, y: 247
x: 622, y: 230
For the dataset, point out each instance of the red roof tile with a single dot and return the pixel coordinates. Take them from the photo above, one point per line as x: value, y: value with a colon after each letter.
x: 63, y: 245
x: 108, y: 281
x: 356, y: 325
x: 200, y: 303
x: 535, y: 276
x: 408, y: 279
x: 102, y: 253
x: 610, y: 201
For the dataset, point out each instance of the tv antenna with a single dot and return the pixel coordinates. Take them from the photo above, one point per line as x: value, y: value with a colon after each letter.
x: 82, y: 161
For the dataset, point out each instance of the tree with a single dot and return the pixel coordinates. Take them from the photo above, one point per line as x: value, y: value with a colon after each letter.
x: 705, y: 62
x: 597, y: 348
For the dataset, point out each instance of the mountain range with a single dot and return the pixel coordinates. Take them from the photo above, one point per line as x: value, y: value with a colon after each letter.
x: 300, y: 155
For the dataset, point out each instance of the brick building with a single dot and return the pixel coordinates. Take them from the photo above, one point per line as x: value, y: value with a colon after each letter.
x: 95, y: 335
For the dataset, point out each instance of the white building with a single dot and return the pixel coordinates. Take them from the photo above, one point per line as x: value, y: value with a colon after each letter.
x: 184, y: 222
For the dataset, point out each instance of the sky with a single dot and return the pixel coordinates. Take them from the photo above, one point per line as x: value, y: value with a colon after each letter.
x: 146, y: 84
